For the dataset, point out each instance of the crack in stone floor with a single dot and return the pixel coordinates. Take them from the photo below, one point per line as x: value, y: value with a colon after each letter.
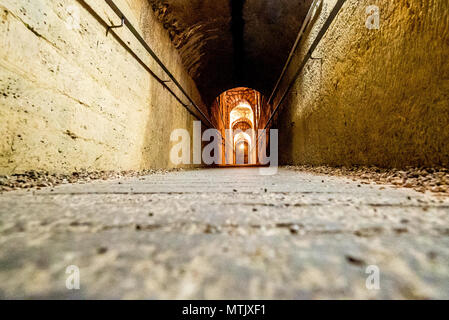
x: 224, y: 234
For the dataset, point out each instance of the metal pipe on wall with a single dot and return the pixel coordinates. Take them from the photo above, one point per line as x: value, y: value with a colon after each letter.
x: 312, y: 48
x: 125, y: 22
x: 309, y: 17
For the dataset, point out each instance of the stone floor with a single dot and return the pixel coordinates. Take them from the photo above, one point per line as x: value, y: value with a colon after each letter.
x: 224, y: 233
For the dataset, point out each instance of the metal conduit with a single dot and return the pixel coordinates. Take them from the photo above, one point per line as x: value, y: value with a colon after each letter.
x: 318, y: 38
x: 320, y: 35
x: 306, y: 22
x: 136, y: 34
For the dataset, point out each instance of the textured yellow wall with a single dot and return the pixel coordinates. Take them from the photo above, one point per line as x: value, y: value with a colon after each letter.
x: 373, y: 97
x: 76, y: 99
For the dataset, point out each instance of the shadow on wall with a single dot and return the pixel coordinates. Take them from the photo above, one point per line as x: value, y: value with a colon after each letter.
x: 166, y: 113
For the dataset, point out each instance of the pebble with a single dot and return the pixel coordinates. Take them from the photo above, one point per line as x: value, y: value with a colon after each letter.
x: 34, y: 179
x: 294, y: 229
x: 421, y: 179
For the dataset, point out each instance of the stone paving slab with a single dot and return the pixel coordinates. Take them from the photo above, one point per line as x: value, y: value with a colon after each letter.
x: 224, y: 234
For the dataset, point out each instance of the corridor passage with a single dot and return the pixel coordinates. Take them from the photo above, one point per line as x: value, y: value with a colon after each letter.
x: 133, y: 134
x: 224, y: 234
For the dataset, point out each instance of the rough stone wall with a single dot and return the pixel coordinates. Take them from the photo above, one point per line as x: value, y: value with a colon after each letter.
x: 74, y: 99
x: 372, y: 97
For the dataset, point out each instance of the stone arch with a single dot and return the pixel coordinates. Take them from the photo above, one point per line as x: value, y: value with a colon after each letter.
x: 242, y: 110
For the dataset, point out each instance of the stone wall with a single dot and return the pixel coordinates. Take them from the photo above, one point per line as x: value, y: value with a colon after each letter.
x: 372, y: 97
x: 73, y: 98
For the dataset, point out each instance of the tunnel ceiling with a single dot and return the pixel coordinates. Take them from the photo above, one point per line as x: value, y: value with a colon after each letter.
x: 232, y: 43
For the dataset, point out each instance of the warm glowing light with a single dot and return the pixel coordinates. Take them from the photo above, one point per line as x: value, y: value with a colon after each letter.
x: 242, y: 110
x: 242, y: 146
x: 242, y: 136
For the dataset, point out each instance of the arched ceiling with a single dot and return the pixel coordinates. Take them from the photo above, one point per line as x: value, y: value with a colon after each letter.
x: 232, y: 43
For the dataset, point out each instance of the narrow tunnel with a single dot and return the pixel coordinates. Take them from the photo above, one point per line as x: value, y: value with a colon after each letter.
x: 224, y: 149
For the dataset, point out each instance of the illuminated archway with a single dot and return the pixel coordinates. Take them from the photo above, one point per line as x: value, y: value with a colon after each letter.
x: 243, y: 145
x: 242, y: 124
x: 242, y: 149
x: 241, y: 119
x: 242, y: 110
x: 243, y: 136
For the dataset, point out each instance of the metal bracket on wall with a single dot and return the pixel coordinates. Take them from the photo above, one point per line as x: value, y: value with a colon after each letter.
x: 125, y: 23
x: 321, y: 69
x: 333, y: 14
x: 202, y: 116
x: 309, y: 18
x: 114, y: 27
